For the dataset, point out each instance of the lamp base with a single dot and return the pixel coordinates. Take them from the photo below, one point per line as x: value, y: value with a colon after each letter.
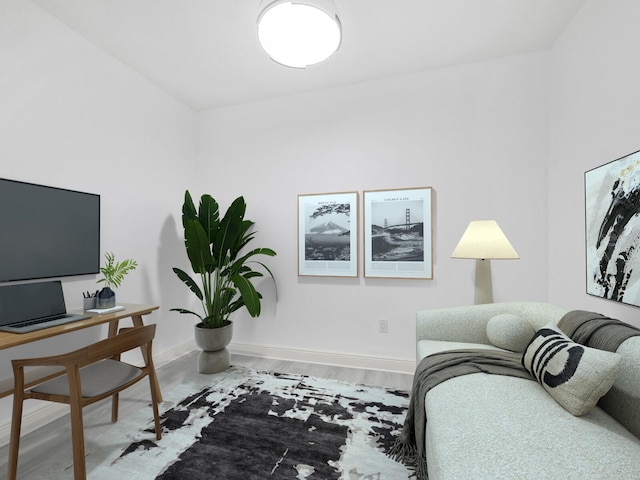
x: 484, y: 289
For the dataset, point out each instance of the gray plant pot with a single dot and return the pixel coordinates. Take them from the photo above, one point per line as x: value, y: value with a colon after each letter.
x: 214, y: 357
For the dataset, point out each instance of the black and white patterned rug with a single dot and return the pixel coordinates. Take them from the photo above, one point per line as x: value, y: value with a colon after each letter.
x: 247, y: 424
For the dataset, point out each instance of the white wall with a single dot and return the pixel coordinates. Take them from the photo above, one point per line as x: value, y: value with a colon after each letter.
x: 594, y: 120
x: 73, y: 117
x: 477, y: 134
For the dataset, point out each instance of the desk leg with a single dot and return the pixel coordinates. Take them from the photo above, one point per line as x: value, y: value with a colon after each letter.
x: 113, y: 328
x: 137, y: 322
x: 113, y: 331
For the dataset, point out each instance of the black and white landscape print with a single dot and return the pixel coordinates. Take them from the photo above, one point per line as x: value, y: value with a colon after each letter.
x: 612, y: 208
x: 398, y: 233
x: 327, y: 234
x: 328, y: 231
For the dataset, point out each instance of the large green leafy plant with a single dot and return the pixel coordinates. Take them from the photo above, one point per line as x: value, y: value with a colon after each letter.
x: 214, y: 246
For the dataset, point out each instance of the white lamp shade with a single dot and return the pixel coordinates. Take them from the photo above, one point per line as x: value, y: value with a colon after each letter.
x: 484, y: 239
x: 299, y: 33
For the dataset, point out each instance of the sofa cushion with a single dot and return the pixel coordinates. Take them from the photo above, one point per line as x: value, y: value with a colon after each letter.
x: 574, y: 375
x: 483, y: 426
x: 510, y: 332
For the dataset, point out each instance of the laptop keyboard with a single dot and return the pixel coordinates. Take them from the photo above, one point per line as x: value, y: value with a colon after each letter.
x: 37, y: 321
x: 31, y: 325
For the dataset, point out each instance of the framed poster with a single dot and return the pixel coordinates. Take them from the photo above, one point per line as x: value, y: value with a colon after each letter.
x: 398, y: 234
x: 612, y: 228
x: 328, y: 234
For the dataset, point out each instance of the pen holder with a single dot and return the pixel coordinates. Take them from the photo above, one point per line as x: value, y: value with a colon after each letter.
x: 89, y: 303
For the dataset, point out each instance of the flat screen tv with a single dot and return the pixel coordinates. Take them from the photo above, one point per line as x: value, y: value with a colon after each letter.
x: 47, y: 232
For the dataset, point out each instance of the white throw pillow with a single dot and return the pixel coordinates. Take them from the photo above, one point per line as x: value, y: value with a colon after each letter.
x: 574, y: 375
x: 510, y: 331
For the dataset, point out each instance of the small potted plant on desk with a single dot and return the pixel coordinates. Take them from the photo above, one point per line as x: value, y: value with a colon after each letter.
x: 214, y: 245
x: 114, y: 273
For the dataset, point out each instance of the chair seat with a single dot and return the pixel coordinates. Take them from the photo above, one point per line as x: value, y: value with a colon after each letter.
x: 96, y: 379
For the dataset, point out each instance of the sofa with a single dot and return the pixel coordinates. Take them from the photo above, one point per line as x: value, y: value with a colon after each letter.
x: 488, y: 426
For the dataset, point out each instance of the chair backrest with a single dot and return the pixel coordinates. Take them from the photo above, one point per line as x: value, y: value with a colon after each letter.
x: 109, y: 348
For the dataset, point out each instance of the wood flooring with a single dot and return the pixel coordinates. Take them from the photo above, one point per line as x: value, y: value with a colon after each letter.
x: 55, y: 438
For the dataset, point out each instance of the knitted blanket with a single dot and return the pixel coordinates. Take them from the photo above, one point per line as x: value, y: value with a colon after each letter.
x: 595, y: 330
x: 434, y: 369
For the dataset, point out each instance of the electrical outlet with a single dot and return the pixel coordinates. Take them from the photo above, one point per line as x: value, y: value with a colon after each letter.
x: 383, y: 325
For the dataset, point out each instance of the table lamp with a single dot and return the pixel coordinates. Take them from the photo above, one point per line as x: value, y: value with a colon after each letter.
x: 483, y: 240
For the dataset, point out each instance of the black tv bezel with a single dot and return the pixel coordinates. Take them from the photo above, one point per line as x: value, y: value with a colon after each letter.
x: 99, y: 235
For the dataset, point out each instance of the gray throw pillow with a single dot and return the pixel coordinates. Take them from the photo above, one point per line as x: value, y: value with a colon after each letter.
x: 574, y: 375
x: 510, y: 332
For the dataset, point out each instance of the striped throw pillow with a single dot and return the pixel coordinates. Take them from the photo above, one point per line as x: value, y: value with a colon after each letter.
x: 574, y: 375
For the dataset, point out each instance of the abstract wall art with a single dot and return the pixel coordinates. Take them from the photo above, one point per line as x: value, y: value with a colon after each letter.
x: 612, y: 210
x: 328, y: 234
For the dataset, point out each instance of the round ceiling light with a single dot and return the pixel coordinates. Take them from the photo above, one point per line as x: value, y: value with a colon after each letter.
x: 299, y: 33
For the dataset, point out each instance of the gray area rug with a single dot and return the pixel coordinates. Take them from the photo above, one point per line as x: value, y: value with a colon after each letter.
x: 247, y: 424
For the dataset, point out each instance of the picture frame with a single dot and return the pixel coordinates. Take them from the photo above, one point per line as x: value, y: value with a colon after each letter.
x: 612, y: 230
x: 328, y: 234
x: 398, y: 234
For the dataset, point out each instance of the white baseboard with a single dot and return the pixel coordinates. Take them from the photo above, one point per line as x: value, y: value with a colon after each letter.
x: 368, y: 362
x: 49, y: 412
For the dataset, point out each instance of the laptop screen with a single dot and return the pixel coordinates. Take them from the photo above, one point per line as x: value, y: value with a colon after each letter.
x: 31, y: 300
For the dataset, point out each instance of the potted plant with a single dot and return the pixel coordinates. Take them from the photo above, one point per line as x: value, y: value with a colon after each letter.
x: 223, y: 273
x: 114, y: 273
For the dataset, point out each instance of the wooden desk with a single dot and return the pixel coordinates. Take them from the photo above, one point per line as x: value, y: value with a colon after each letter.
x: 9, y: 340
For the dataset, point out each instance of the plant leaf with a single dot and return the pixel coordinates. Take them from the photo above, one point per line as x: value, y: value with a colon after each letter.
x: 197, y: 245
x: 189, y: 282
x: 188, y: 208
x: 209, y: 215
x: 182, y: 310
x: 114, y: 272
x: 243, y: 237
x: 248, y: 293
x: 230, y: 230
x: 257, y: 251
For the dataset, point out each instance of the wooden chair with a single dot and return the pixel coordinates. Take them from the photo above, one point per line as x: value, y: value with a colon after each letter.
x: 93, y: 373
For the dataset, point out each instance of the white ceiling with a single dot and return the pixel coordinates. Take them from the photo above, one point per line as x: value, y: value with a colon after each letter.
x: 205, y: 52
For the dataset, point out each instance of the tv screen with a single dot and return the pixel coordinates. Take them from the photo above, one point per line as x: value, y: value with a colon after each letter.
x: 47, y: 232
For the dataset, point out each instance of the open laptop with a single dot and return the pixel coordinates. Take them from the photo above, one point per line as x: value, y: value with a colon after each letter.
x: 34, y: 306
